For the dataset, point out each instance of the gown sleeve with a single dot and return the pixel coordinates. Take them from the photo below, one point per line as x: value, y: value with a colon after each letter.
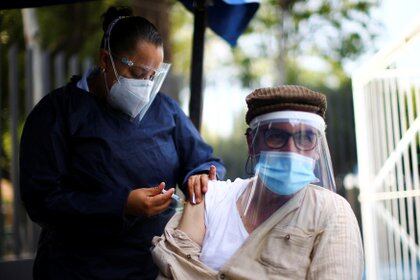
x: 195, y: 155
x: 44, y: 164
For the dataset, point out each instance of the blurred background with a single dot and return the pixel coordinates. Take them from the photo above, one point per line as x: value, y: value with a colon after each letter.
x: 314, y: 43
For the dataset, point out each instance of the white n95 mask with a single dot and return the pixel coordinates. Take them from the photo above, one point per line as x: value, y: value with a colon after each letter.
x: 130, y: 96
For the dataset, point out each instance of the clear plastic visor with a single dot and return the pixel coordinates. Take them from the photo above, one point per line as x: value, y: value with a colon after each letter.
x: 286, y: 155
x: 157, y: 84
x: 297, y: 141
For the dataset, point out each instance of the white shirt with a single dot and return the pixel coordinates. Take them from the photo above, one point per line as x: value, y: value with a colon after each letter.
x: 225, y: 232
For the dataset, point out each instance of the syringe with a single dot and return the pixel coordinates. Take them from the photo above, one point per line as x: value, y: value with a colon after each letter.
x: 174, y: 196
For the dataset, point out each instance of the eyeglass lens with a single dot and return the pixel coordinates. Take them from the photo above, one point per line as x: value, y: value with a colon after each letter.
x: 304, y: 140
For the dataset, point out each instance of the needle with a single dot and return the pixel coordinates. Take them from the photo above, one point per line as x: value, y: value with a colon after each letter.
x: 174, y: 196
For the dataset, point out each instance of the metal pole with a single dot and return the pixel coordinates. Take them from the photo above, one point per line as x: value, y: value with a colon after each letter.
x: 29, y: 81
x: 32, y: 229
x: 59, y: 71
x: 13, y: 106
x: 32, y: 40
x: 45, y: 73
x: 2, y: 235
x: 196, y: 83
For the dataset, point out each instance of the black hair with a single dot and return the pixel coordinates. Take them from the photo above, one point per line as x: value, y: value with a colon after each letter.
x: 128, y: 30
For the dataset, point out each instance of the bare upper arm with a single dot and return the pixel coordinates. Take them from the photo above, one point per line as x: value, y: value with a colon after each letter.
x: 192, y: 222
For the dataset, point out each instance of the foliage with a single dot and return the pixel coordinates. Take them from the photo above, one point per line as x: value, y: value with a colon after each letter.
x: 10, y: 35
x: 83, y: 35
x: 11, y: 27
x: 232, y: 150
x: 335, y: 31
x: 181, y: 31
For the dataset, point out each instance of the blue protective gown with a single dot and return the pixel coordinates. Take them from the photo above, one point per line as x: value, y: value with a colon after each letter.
x: 79, y: 160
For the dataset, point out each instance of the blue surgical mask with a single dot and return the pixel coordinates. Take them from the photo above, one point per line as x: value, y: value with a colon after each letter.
x: 285, y: 173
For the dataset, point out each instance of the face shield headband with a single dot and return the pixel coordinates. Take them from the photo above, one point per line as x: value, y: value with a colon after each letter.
x: 291, y: 145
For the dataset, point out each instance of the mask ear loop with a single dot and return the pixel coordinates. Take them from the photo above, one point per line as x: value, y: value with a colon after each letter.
x: 251, y: 158
x: 248, y: 168
x: 106, y: 84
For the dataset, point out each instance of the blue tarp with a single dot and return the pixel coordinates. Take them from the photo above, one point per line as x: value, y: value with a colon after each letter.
x: 228, y: 18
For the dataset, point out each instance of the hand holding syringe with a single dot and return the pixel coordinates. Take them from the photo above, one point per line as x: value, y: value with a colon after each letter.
x: 148, y: 201
x: 174, y: 196
x: 178, y: 199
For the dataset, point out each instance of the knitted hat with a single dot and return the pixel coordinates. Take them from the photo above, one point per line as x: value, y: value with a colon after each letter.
x: 289, y: 97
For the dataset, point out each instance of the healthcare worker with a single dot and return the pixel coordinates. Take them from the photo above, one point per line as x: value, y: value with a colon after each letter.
x: 286, y: 221
x: 97, y: 154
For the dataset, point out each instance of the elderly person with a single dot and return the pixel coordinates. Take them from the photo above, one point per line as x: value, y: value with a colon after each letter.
x: 286, y: 222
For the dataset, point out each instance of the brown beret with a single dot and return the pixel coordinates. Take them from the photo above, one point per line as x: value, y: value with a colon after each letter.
x: 288, y: 97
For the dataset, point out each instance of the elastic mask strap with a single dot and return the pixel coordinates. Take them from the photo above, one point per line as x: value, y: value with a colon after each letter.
x: 107, y: 42
x: 247, y: 167
x: 106, y: 84
x: 250, y: 165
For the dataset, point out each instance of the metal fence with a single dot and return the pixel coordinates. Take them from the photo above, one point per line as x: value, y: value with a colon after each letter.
x: 19, y: 92
x: 387, y: 115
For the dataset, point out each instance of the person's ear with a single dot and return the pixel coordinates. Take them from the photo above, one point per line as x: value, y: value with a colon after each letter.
x: 104, y: 59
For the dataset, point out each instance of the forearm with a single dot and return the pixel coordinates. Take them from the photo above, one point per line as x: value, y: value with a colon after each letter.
x: 192, y: 222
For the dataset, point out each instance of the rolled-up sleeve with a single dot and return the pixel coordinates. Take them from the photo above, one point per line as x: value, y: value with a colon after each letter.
x: 177, y: 256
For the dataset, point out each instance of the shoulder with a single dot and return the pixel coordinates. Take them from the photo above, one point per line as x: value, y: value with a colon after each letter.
x: 327, y: 198
x: 56, y: 104
x: 61, y: 96
x: 164, y: 107
x: 47, y: 106
x: 167, y: 102
x: 219, y: 192
x: 333, y: 207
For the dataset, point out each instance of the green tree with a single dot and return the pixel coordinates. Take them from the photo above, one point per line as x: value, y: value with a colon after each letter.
x: 232, y: 150
x: 77, y: 27
x: 332, y: 31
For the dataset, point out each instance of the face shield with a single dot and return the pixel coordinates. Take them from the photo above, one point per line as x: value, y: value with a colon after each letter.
x: 157, y: 84
x: 288, y: 151
x: 134, y: 96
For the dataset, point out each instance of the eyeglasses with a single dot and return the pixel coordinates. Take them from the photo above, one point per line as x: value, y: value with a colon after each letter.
x: 305, y: 140
x: 141, y: 72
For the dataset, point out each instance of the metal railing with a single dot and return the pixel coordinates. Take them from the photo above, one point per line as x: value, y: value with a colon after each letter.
x: 387, y: 117
x: 18, y: 235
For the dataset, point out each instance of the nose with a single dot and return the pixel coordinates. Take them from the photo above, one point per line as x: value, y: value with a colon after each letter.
x: 290, y: 146
x: 151, y: 75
